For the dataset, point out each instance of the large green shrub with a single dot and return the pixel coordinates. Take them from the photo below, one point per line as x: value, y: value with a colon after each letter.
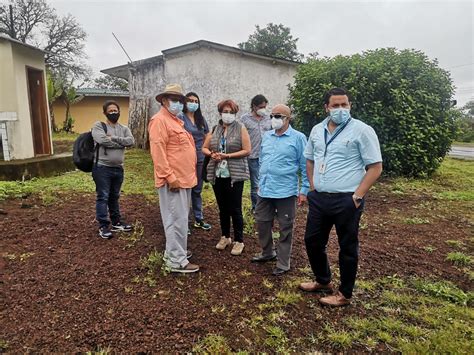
x: 403, y: 95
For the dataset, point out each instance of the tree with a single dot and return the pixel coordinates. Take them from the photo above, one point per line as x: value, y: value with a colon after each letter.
x: 469, y: 107
x: 55, y: 90
x: 403, y: 95
x: 69, y: 97
x: 36, y: 23
x: 273, y: 40
x: 110, y: 82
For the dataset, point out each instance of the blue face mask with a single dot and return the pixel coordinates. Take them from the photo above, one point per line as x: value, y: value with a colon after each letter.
x: 175, y: 107
x: 339, y: 115
x: 192, y: 106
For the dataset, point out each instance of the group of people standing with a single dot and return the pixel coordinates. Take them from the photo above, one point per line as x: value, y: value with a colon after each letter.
x: 332, y: 171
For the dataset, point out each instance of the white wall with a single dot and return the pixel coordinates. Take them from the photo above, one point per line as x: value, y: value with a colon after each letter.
x: 216, y: 75
x: 20, y: 135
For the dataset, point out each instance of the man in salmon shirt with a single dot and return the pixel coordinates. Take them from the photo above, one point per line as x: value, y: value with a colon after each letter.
x: 174, y: 159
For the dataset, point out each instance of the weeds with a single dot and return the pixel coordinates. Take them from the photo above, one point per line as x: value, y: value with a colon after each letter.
x: 287, y: 298
x: 135, y: 236
x: 416, y: 220
x: 276, y: 338
x: 459, y: 259
x: 455, y: 243
x: 430, y: 248
x: 442, y: 289
x: 212, y: 344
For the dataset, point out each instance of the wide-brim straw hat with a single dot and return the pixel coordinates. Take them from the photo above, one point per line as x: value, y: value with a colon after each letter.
x: 171, y: 89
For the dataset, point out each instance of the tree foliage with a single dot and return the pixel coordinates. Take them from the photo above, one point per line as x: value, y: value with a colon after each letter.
x: 403, y: 95
x: 110, y: 82
x: 465, y: 123
x: 273, y: 40
x: 38, y: 24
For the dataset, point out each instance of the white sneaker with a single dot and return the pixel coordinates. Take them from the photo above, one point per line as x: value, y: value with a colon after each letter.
x: 223, y: 243
x: 237, y: 249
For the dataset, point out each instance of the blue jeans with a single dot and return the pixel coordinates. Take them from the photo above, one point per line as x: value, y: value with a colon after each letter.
x: 196, y: 200
x: 108, y: 181
x: 253, y: 169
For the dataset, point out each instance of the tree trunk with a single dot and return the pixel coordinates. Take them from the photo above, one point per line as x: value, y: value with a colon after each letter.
x: 138, y: 122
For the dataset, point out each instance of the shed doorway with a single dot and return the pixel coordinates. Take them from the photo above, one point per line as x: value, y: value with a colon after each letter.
x: 39, y: 112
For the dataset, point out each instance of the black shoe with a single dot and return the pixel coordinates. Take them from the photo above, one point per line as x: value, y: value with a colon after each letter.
x: 105, y: 232
x: 278, y: 272
x: 189, y: 253
x: 203, y: 225
x: 263, y: 259
x: 189, y: 232
x: 121, y: 227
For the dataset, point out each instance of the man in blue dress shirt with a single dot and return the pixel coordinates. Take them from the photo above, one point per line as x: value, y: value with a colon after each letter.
x: 281, y: 158
x: 343, y: 162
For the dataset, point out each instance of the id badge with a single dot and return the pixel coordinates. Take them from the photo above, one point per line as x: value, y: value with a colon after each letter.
x: 322, y: 167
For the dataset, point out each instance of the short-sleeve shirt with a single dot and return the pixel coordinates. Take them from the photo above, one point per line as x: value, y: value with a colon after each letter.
x: 355, y: 147
x: 256, y: 128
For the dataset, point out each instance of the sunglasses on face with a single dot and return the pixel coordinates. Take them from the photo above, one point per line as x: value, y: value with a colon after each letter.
x: 277, y: 116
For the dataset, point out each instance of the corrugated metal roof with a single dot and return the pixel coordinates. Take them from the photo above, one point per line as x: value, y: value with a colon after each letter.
x: 102, y: 92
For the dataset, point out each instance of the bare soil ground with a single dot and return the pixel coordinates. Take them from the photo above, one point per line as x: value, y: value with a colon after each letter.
x: 63, y: 289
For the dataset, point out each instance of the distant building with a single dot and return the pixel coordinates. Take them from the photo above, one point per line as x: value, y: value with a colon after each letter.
x: 212, y: 70
x: 89, y: 109
x: 25, y: 129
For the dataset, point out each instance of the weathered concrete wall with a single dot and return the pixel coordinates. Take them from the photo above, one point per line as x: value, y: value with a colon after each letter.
x: 214, y: 75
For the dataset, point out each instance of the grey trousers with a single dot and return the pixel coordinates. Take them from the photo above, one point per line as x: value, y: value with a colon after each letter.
x: 174, y: 207
x: 284, y: 209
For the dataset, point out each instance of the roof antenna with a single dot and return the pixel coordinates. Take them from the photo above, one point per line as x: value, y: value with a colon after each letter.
x: 131, y: 61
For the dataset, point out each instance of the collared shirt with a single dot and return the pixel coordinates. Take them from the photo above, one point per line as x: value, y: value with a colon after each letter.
x: 256, y: 128
x: 281, y: 157
x: 198, y: 134
x: 172, y: 150
x: 347, y: 155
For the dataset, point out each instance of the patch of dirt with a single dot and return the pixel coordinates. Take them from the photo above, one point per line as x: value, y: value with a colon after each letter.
x: 63, y: 289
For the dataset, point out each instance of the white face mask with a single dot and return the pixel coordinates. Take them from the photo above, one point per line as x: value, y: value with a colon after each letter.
x: 277, y: 123
x: 262, y: 112
x: 228, y: 118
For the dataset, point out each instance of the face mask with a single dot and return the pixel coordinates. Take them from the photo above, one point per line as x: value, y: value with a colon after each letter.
x: 192, y: 106
x: 262, y: 112
x: 228, y: 118
x: 175, y: 107
x: 113, y: 117
x: 339, y: 115
x: 277, y: 123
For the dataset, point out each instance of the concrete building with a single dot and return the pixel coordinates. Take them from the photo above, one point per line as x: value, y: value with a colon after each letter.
x: 89, y: 110
x: 212, y: 70
x: 25, y: 128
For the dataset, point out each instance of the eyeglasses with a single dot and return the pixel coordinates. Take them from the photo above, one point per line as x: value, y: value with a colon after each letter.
x: 278, y: 116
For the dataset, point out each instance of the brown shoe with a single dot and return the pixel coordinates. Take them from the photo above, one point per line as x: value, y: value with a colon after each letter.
x: 336, y: 300
x: 314, y: 286
x: 189, y: 268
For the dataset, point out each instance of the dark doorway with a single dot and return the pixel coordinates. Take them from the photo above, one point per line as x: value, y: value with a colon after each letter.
x: 39, y: 112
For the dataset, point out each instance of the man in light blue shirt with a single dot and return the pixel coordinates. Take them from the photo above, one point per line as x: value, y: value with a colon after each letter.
x: 281, y: 158
x: 343, y: 162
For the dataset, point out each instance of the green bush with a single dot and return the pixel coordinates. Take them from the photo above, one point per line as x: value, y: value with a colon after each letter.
x: 403, y: 95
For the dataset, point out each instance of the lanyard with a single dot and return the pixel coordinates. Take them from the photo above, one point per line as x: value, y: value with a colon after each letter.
x: 223, y: 147
x: 333, y: 137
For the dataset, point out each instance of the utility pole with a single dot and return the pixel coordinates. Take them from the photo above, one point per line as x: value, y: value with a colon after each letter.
x: 12, y: 25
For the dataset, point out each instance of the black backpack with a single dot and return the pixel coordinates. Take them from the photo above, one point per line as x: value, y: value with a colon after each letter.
x: 85, y: 150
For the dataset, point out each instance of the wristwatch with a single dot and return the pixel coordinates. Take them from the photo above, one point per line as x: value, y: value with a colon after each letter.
x: 357, y: 199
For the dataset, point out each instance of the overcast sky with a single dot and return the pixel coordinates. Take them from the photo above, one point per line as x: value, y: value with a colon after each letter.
x: 442, y: 29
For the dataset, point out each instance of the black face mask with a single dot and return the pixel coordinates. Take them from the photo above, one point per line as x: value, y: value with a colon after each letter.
x: 113, y: 117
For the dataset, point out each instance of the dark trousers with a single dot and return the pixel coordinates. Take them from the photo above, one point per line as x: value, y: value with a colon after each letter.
x: 284, y: 209
x: 229, y: 200
x: 108, y: 181
x: 254, y: 167
x: 326, y: 210
x: 196, y: 199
